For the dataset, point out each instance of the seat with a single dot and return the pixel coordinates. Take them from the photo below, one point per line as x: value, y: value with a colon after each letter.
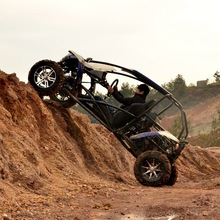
x: 121, y: 118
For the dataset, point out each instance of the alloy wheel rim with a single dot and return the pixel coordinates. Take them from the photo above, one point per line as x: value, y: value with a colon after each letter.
x: 152, y: 169
x: 45, y: 77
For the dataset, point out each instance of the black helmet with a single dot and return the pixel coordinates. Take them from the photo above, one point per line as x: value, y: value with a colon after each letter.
x: 144, y: 88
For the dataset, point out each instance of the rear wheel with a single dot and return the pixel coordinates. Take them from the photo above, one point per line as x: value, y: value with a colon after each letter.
x: 47, y: 77
x: 173, y: 176
x: 152, y: 168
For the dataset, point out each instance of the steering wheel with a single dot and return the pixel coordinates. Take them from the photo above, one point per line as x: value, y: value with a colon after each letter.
x: 114, y: 83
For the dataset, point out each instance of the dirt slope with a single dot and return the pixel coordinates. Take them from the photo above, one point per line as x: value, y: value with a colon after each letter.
x: 55, y: 164
x: 202, y: 115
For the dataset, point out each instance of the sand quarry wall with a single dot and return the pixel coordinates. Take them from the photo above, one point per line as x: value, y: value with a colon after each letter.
x: 41, y: 142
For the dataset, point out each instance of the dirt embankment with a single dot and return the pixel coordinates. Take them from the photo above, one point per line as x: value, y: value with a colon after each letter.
x: 55, y: 164
x: 202, y: 105
x: 202, y: 115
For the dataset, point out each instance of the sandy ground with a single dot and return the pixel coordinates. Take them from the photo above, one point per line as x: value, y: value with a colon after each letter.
x: 101, y: 199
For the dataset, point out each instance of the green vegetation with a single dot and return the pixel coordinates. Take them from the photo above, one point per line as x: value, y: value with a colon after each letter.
x: 217, y: 76
x: 177, y: 86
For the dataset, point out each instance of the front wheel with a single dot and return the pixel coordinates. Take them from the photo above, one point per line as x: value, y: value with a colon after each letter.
x: 64, y: 99
x: 152, y: 168
x: 46, y: 76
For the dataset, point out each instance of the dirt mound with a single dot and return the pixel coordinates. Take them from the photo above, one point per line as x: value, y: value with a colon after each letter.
x: 51, y: 157
x: 196, y: 164
x: 40, y: 139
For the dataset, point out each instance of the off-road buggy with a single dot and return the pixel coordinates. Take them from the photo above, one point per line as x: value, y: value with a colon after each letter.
x: 143, y: 129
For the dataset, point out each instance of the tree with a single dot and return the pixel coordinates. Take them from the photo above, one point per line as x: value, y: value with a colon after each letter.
x: 127, y: 90
x: 217, y: 76
x: 177, y: 86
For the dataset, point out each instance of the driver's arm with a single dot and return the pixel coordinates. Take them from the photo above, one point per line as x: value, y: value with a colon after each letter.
x: 123, y: 100
x: 119, y: 97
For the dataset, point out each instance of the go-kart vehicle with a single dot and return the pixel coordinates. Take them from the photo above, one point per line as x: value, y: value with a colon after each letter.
x: 140, y: 128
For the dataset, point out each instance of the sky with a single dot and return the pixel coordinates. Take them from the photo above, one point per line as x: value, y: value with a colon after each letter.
x: 159, y: 38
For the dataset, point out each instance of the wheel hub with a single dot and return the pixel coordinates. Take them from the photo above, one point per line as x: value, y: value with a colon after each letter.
x: 152, y: 170
x: 45, y: 78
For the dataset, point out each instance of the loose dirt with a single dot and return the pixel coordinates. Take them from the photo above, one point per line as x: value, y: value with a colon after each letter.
x: 55, y: 164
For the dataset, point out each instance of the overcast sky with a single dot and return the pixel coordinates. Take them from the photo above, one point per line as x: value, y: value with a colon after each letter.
x: 159, y: 38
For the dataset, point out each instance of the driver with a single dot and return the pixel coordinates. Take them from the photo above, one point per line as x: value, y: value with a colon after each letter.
x: 118, y: 118
x: 139, y: 97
